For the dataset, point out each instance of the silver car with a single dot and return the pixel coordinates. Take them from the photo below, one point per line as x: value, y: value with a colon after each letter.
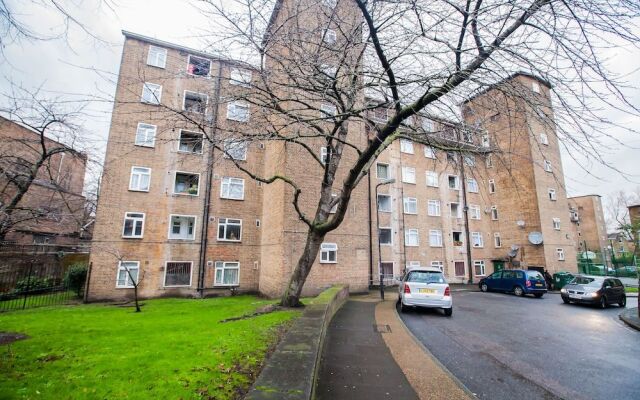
x: 600, y: 291
x: 425, y: 287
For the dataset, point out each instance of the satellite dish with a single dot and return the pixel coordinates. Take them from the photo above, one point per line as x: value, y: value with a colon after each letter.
x: 535, y: 237
x: 514, y: 251
x: 520, y: 223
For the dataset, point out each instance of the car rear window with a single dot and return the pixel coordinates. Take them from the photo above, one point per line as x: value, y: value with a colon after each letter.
x: 425, y: 277
x: 534, y: 275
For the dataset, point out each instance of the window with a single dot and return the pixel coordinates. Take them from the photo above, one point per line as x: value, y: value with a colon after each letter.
x: 329, y: 3
x: 413, y: 264
x: 177, y: 273
x: 429, y: 152
x: 476, y: 239
x: 492, y: 186
x: 133, y: 225
x: 145, y: 135
x: 435, y: 238
x: 406, y: 146
x: 229, y: 229
x: 151, y: 93
x: 474, y: 211
x: 497, y: 241
x: 238, y: 111
x: 384, y: 203
x: 433, y: 208
x: 235, y: 149
x: 328, y: 109
x: 382, y: 171
x: 335, y: 206
x: 408, y: 175
x: 126, y: 271
x: 328, y: 70
x: 410, y: 205
x: 451, y: 157
x: 328, y: 253
x: 411, y: 238
x: 427, y: 124
x: 489, y: 161
x: 385, y: 236
x: 454, y: 182
x: 323, y: 155
x: 380, y: 114
x: 459, y: 268
x: 485, y: 140
x: 198, y: 66
x: 470, y: 161
x: 186, y: 183
x: 240, y: 77
x: 535, y: 87
x: 560, y: 253
x: 547, y: 165
x: 472, y: 185
x: 478, y: 267
x: 556, y: 224
x: 494, y: 213
x: 232, y: 188
x: 182, y: 227
x: 227, y: 273
x: 190, y: 142
x: 454, y: 209
x: 438, y: 264
x: 552, y: 195
x: 140, y: 179
x: 194, y: 102
x: 544, y: 139
x: 157, y: 57
x: 457, y: 238
x: 329, y: 37
x: 432, y: 178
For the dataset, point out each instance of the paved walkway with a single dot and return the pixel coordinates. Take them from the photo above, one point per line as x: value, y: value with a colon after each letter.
x: 369, y: 354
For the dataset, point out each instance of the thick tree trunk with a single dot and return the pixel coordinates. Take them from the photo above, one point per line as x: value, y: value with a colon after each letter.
x: 291, y: 296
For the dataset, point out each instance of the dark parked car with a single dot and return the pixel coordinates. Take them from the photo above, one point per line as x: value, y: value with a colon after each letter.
x: 596, y: 290
x: 517, y: 281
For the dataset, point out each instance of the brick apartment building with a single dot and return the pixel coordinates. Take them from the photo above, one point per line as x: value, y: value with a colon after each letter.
x: 52, y: 210
x: 185, y: 221
x: 587, y: 214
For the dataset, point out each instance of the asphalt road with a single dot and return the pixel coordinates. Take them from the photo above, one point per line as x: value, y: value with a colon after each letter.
x: 505, y: 347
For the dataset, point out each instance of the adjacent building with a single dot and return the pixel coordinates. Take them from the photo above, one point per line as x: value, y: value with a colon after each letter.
x: 587, y: 215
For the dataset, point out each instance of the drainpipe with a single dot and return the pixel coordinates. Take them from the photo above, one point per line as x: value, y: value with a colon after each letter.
x: 465, y: 211
x: 370, y: 233
x: 208, y: 186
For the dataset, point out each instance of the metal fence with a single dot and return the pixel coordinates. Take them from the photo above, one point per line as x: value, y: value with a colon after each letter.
x: 617, y: 268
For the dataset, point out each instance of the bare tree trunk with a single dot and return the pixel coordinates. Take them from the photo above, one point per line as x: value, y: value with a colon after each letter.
x: 291, y: 296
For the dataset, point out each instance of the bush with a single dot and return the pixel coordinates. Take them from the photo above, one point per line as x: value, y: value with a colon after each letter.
x: 75, y: 278
x: 32, y: 284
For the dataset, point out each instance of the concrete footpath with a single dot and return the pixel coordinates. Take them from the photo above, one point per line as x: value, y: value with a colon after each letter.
x: 370, y: 354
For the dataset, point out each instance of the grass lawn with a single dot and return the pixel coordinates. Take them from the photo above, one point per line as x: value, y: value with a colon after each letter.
x: 631, y: 289
x: 173, y: 349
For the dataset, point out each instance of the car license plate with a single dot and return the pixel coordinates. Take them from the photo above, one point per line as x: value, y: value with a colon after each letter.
x: 428, y: 291
x: 538, y: 284
x: 574, y: 296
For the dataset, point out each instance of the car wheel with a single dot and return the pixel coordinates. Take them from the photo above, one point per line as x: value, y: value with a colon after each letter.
x: 538, y: 295
x: 603, y: 302
x: 448, y: 311
x: 623, y: 301
x: 566, y: 301
x: 518, y: 291
x: 403, y: 308
x: 484, y: 287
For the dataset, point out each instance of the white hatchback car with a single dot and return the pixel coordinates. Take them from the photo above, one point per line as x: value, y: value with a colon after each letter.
x: 425, y: 287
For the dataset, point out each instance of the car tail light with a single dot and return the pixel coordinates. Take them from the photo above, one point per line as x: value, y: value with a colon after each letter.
x: 447, y: 291
x: 528, y: 283
x: 407, y: 289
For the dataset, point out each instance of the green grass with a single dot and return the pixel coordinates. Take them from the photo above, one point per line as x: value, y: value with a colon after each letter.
x: 631, y: 289
x: 173, y: 349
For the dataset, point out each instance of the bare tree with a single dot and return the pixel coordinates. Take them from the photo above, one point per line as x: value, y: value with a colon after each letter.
x: 131, y: 278
x: 355, y: 75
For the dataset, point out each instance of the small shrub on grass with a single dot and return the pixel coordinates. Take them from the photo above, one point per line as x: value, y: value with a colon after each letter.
x: 75, y: 278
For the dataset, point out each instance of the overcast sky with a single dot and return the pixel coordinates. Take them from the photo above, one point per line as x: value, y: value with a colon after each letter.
x: 67, y: 67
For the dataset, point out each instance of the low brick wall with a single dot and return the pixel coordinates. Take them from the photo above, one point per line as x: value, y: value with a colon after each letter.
x: 290, y: 372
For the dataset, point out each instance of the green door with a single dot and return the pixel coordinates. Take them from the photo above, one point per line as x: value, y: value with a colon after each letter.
x: 498, y: 266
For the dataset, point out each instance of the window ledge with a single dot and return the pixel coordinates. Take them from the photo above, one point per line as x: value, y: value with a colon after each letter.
x: 229, y: 240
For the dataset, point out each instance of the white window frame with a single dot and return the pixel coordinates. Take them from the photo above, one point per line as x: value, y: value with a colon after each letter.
x: 485, y: 140
x: 390, y: 203
x: 472, y: 185
x: 406, y: 146
x: 240, y: 77
x: 408, y: 201
x: 155, y: 90
x: 457, y: 182
x: 330, y: 3
x: 135, y: 220
x: 390, y: 235
x: 334, y: 209
x: 224, y: 267
x: 474, y: 212
x: 226, y: 223
x: 160, y: 55
x: 426, y: 124
x: 437, y: 234
x: 164, y: 278
x: 552, y: 195
x: 175, y: 176
x: 469, y: 160
x: 556, y: 223
x: 459, y: 213
x: 535, y: 87
x: 492, y: 186
x: 170, y: 234
x: 477, y: 241
x: 323, y: 155
x: 494, y: 213
x: 560, y: 254
x: 436, y: 205
x: 329, y: 109
x: 544, y: 138
x: 547, y: 166
x: 193, y: 133
x: 413, y: 264
x: 482, y: 265
x: 202, y: 58
x: 430, y: 152
x: 329, y: 36
x: 325, y: 250
x: 408, y: 175
x: 433, y: 176
x: 497, y: 240
x: 409, y: 234
x: 149, y: 132
x: 227, y: 182
x: 184, y: 101
x: 140, y: 175
x: 231, y: 111
x: 128, y: 278
x: 438, y: 264
x: 231, y: 142
x: 388, y: 171
x: 489, y: 161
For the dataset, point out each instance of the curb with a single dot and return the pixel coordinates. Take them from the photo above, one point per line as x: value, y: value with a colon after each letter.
x: 291, y: 371
x: 630, y: 317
